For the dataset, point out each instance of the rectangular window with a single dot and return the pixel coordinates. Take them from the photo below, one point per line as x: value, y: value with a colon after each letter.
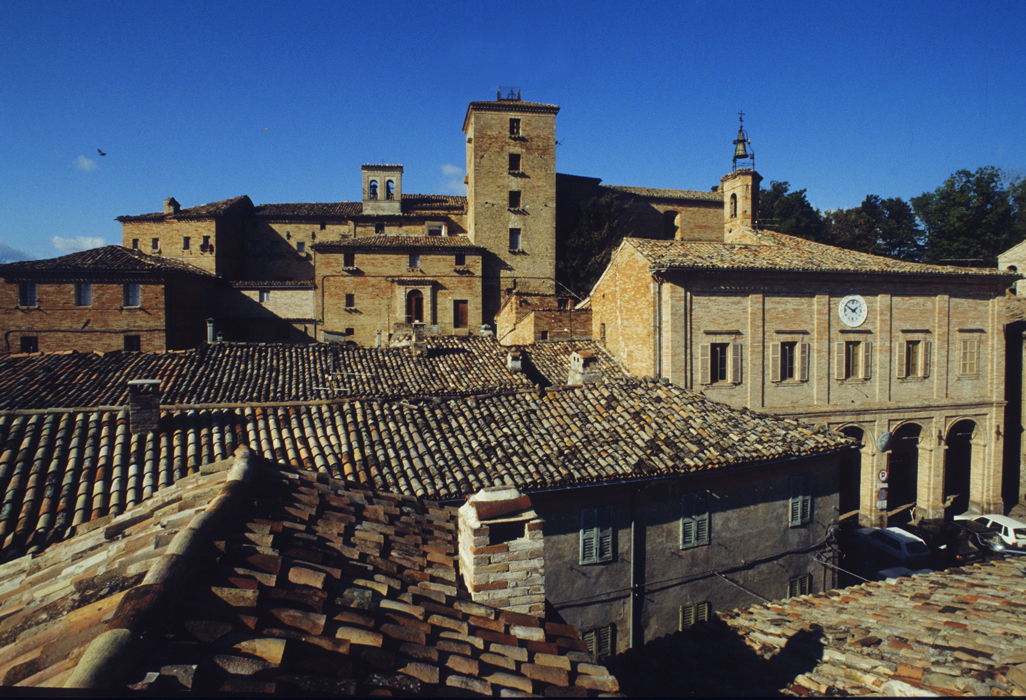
x: 913, y: 358
x: 602, y: 332
x: 514, y: 199
x: 596, y: 535
x: 379, y: 229
x: 460, y: 313
x: 28, y: 294
x: 414, y: 260
x: 562, y: 303
x: 350, y: 331
x: 800, y: 504
x: 434, y: 230
x: 969, y: 363
x: 853, y: 359
x: 349, y: 260
x: 131, y: 294
x: 461, y: 260
x: 514, y: 162
x: 799, y: 586
x: 789, y: 361
x: 29, y: 343
x: 350, y: 301
x: 264, y: 295
x: 514, y: 239
x: 514, y: 126
x: 694, y: 519
x: 694, y: 613
x: 720, y: 363
x: 154, y: 244
x: 601, y: 641
x: 206, y: 243
x: 186, y: 242
x: 83, y: 294
x: 544, y: 335
x: 301, y: 247
x: 133, y: 343
x: 135, y: 244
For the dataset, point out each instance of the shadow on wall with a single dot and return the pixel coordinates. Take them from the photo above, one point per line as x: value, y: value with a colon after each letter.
x: 711, y: 659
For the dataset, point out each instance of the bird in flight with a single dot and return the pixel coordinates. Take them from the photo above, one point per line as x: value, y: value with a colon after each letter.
x: 100, y: 152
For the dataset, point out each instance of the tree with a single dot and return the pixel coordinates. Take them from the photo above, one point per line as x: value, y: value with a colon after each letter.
x: 600, y: 223
x: 971, y: 218
x: 879, y: 226
x: 790, y: 213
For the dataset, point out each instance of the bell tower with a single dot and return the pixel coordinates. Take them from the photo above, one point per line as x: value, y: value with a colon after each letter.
x: 741, y: 187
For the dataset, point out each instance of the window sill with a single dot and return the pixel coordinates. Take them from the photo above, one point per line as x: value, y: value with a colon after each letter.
x: 790, y: 382
x: 413, y: 269
x: 28, y: 308
x: 902, y: 380
x: 350, y: 269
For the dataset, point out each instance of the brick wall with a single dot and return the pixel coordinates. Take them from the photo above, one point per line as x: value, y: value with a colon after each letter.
x: 622, y: 305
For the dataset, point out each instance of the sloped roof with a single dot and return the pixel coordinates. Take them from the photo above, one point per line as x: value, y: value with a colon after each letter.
x: 212, y: 210
x: 262, y: 581
x: 412, y: 205
x: 953, y: 632
x: 62, y: 470
x: 778, y: 251
x: 655, y: 193
x: 108, y: 259
x: 457, y: 243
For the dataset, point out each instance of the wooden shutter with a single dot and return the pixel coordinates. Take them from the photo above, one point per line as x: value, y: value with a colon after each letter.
x: 687, y: 616
x: 735, y: 363
x: 589, y: 520
x: 867, y: 359
x: 605, y: 534
x: 927, y: 353
x: 800, y: 505
x: 804, y: 368
x: 775, y: 372
x: 839, y: 361
x: 703, y: 364
x: 901, y: 350
x: 694, y: 521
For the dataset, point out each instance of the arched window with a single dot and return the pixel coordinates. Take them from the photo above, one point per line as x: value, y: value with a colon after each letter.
x: 373, y: 189
x: 733, y: 206
x: 389, y: 190
x: 414, y: 306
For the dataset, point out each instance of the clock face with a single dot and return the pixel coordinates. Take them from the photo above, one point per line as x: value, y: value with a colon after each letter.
x: 852, y: 310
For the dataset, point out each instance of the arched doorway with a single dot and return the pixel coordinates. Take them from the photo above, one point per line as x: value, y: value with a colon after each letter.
x: 850, y: 487
x: 414, y: 306
x: 903, y: 470
x: 958, y: 461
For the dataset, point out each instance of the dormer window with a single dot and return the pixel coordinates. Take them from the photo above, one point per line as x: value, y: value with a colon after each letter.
x: 372, y: 190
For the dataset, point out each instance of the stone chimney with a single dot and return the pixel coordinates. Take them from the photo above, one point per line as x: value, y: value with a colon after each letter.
x: 514, y: 361
x: 143, y: 405
x: 171, y: 206
x: 502, y: 551
x: 584, y: 368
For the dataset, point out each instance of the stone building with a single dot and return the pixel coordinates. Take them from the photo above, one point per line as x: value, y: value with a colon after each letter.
x: 908, y: 358
x: 104, y: 299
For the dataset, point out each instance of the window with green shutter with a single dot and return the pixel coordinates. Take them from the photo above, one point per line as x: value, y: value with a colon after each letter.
x: 694, y: 519
x: 601, y: 641
x: 800, y: 505
x: 799, y: 586
x: 694, y: 613
x: 596, y: 535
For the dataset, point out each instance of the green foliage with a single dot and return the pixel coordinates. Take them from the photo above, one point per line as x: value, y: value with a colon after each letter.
x: 971, y: 218
x: 879, y: 226
x: 589, y: 236
x: 789, y: 212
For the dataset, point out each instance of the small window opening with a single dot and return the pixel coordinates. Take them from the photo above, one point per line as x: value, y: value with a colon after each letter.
x: 186, y: 242
x: 389, y: 190
x: 514, y: 199
x: 499, y: 533
x: 350, y: 301
x: 301, y: 247
x: 206, y: 241
x: 379, y: 229
x: 514, y: 239
x: 135, y: 244
x: 414, y: 260
x: 788, y: 351
x: 373, y: 189
x: 29, y: 343
x: 461, y: 259
x: 264, y: 295
x: 544, y: 335
x: 349, y: 259
x: 514, y: 126
x: 719, y: 357
x: 133, y: 343
x: 155, y: 244
x: 514, y: 162
x: 350, y: 331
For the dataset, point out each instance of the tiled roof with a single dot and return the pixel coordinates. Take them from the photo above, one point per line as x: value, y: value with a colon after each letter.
x: 655, y: 193
x: 284, y: 584
x: 108, y: 259
x: 552, y: 360
x: 412, y: 204
x: 459, y: 242
x: 954, y: 632
x: 778, y: 251
x: 204, y: 211
x: 240, y: 373
x: 276, y: 284
x: 60, y: 470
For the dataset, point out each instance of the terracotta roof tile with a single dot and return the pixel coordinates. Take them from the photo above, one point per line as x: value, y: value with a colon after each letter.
x: 654, y: 193
x: 108, y: 259
x: 777, y: 251
x: 459, y: 242
x: 204, y: 211
x: 412, y: 205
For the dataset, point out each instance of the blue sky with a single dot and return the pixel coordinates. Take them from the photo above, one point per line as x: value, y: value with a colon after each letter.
x: 284, y: 101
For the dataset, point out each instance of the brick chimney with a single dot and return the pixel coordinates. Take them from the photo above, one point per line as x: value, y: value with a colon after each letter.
x: 143, y: 405
x: 171, y: 206
x: 502, y: 552
x: 584, y: 368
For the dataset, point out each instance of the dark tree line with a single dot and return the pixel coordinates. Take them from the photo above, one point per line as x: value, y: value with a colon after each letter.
x: 968, y: 221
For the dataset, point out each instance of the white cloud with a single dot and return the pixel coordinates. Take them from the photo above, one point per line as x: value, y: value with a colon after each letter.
x: 87, y: 164
x: 9, y: 253
x: 453, y: 183
x: 73, y: 245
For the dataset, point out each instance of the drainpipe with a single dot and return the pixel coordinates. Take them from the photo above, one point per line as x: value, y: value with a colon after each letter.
x: 658, y: 331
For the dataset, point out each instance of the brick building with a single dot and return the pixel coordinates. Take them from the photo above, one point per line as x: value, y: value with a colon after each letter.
x: 104, y: 299
x: 907, y: 357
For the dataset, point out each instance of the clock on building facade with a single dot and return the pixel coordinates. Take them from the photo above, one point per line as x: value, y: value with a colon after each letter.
x: 852, y: 310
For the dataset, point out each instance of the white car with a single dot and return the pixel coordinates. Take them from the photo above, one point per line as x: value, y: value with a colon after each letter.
x: 1010, y: 530
x: 905, y: 547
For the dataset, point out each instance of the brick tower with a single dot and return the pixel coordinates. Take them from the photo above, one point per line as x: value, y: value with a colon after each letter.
x: 511, y: 195
x: 740, y: 188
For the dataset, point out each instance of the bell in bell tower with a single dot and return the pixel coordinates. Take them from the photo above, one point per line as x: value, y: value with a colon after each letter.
x: 741, y: 187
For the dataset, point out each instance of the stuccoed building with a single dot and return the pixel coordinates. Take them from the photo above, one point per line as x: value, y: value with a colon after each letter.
x: 909, y: 358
